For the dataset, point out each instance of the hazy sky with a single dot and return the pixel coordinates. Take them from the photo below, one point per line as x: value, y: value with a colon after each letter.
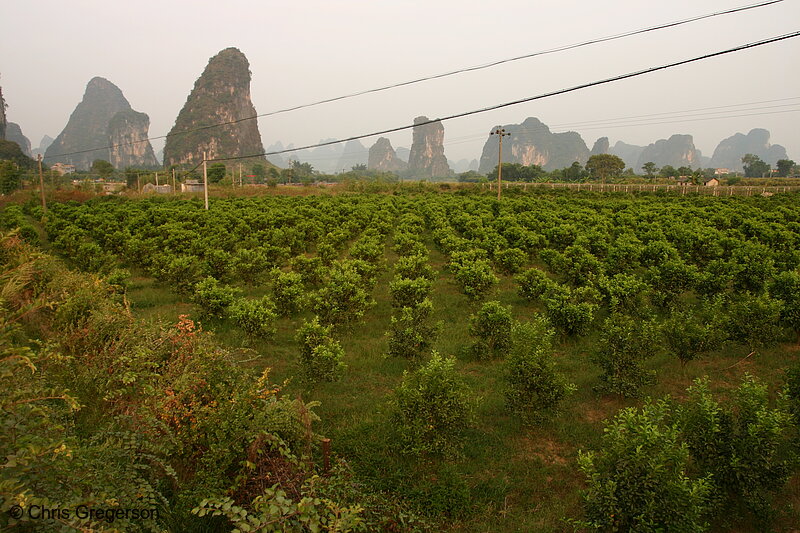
x: 306, y: 51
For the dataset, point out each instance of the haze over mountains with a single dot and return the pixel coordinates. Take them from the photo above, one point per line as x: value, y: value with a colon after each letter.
x: 211, y: 121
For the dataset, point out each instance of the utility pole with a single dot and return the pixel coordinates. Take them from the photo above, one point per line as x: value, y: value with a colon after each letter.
x: 174, y: 190
x: 500, y: 132
x: 41, y: 184
x: 240, y: 176
x: 156, y: 179
x: 138, y: 183
x: 205, y: 179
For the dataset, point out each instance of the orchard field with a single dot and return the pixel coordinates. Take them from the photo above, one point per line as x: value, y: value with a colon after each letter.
x: 553, y: 361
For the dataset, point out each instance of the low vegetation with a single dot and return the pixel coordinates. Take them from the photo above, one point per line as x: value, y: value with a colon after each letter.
x: 554, y: 361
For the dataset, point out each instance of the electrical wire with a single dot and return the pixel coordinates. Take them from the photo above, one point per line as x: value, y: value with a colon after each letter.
x: 528, y: 99
x: 442, y: 75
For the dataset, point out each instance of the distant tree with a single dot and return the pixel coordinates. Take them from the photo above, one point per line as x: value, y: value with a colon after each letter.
x: 102, y: 168
x: 754, y: 167
x: 11, y: 151
x: 785, y: 167
x: 518, y: 172
x: 574, y: 172
x: 684, y: 171
x: 668, y: 171
x: 471, y: 176
x: 302, y: 170
x: 131, y: 177
x: 699, y: 176
x: 605, y: 166
x: 260, y: 172
x: 216, y: 171
x: 9, y: 177
x: 359, y: 168
x: 650, y: 169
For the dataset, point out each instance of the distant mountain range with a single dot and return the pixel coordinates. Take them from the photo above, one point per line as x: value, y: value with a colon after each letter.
x: 103, y: 126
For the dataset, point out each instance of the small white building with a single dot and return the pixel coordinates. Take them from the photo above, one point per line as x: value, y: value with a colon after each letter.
x: 158, y: 189
x: 191, y: 186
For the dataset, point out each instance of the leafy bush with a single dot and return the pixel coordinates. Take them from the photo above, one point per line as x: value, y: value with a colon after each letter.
x: 533, y: 284
x: 475, y: 278
x: 288, y: 292
x: 534, y: 389
x: 511, y: 260
x: 741, y: 446
x: 625, y: 343
x: 311, y: 269
x: 411, y: 332
x: 213, y: 297
x: 688, y: 335
x: 492, y: 326
x: 432, y: 409
x: 414, y: 266
x: 321, y: 357
x: 670, y: 279
x: 639, y: 480
x: 786, y: 288
x: 407, y: 292
x: 182, y: 273
x: 343, y: 298
x: 755, y: 321
x: 256, y: 317
x: 567, y: 312
x: 625, y: 293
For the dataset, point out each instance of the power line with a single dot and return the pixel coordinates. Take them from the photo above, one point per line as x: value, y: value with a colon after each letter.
x: 563, y: 48
x: 530, y: 98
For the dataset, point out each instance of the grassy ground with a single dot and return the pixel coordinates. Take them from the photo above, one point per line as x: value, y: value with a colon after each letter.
x: 512, y: 478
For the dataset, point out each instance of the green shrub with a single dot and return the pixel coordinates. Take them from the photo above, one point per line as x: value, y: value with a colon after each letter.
x: 321, y: 357
x: 511, y: 260
x: 792, y: 395
x: 670, y: 279
x: 755, y: 321
x: 288, y: 292
x: 534, y: 389
x: 181, y: 272
x: 741, y: 446
x: 256, y: 317
x: 432, y: 409
x: 213, y: 297
x: 475, y: 278
x: 688, y: 335
x: 567, y: 312
x: 412, y: 332
x: 533, y: 283
x: 407, y: 292
x: 786, y: 288
x: 311, y: 269
x: 414, y: 266
x: 492, y: 326
x: 343, y: 298
x: 625, y: 293
x: 625, y: 343
x: 638, y: 481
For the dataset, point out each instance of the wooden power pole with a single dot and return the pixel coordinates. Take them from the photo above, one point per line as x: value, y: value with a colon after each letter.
x: 205, y: 179
x: 500, y: 132
x: 41, y: 184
